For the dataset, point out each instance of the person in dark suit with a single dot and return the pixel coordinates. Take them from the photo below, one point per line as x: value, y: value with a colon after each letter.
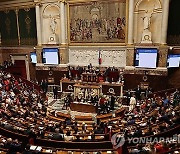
x: 138, y: 92
x: 112, y: 101
x: 57, y: 135
x: 15, y: 147
x: 98, y: 130
x: 55, y: 91
x: 45, y: 86
x: 27, y: 150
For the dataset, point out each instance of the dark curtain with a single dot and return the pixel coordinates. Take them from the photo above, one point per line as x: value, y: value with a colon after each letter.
x: 174, y: 23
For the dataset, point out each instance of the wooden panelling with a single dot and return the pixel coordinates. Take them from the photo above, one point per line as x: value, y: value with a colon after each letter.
x: 155, y: 82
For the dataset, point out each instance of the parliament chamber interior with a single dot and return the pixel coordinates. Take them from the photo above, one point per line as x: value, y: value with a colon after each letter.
x: 90, y: 76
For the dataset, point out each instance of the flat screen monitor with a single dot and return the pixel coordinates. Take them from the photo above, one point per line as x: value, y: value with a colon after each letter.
x: 173, y: 60
x: 33, y: 57
x: 146, y: 57
x: 50, y: 56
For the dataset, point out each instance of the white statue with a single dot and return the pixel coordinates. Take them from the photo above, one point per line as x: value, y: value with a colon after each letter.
x: 147, y: 19
x: 53, y: 24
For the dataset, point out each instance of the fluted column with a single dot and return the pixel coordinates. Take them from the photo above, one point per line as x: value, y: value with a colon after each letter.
x: 63, y: 23
x: 131, y: 22
x: 165, y: 14
x: 38, y: 25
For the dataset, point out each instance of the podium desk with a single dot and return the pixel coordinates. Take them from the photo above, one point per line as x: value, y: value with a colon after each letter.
x: 101, y: 87
x: 83, y: 107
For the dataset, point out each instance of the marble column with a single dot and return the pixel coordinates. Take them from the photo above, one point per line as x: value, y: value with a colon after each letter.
x: 38, y: 25
x: 130, y: 56
x: 63, y: 23
x: 165, y: 14
x: 63, y: 52
x: 162, y: 60
x: 131, y: 22
x: 39, y: 54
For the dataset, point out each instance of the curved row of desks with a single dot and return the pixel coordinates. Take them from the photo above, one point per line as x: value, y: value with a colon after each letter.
x: 81, y: 145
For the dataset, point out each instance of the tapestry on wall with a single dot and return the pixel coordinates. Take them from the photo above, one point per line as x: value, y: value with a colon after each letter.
x: 27, y: 26
x: 8, y: 28
x: 98, y: 22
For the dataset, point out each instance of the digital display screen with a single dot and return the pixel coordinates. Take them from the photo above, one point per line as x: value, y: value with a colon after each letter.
x: 173, y: 60
x: 146, y: 58
x: 33, y: 57
x: 50, y: 56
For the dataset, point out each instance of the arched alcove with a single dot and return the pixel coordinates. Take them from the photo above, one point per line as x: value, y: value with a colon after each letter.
x: 51, y: 15
x: 153, y: 7
x: 51, y: 9
x: 147, y: 5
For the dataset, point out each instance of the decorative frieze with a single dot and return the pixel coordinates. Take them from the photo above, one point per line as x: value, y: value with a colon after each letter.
x: 110, y: 57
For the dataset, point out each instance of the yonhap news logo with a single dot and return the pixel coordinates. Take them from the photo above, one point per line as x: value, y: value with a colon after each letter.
x: 117, y: 140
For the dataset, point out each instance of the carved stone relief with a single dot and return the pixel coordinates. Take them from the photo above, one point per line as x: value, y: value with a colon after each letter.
x: 83, y: 57
x: 116, y: 57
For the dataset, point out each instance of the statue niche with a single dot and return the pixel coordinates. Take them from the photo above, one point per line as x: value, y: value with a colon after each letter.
x: 147, y: 20
x: 146, y: 35
x: 51, y: 13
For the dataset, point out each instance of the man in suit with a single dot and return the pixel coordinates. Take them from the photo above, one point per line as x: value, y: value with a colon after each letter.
x: 55, y: 91
x: 138, y: 92
x: 112, y: 101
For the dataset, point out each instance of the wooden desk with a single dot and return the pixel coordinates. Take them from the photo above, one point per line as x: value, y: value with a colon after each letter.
x: 83, y: 107
x: 116, y: 88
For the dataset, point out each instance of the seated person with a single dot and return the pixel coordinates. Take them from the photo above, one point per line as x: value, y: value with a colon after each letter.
x: 68, y: 136
x: 65, y: 78
x: 98, y: 130
x: 100, y: 77
x: 77, y: 139
x: 57, y: 135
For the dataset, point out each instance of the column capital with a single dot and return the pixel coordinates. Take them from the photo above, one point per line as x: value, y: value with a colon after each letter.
x: 61, y: 1
x: 37, y: 2
x: 16, y: 10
